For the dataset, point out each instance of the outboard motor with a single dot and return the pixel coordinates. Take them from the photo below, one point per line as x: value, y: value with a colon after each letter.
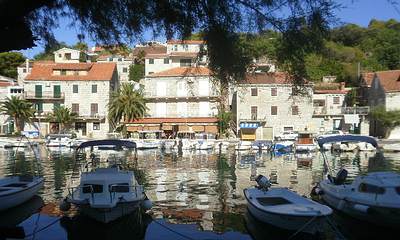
x: 263, y: 182
x: 341, y: 177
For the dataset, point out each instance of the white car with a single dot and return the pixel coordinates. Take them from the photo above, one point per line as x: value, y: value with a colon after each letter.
x: 287, y: 136
x: 331, y: 133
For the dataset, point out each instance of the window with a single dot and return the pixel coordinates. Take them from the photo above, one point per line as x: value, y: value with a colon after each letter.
x: 76, y: 73
x: 96, y: 126
x: 274, y: 110
x: 336, y: 100
x: 151, y: 72
x: 274, y: 92
x: 254, y: 112
x: 369, y: 188
x: 120, y: 187
x: 94, y: 88
x: 75, y: 108
x: 68, y: 56
x: 287, y: 129
x: 175, y: 48
x: 56, y: 91
x: 119, y: 59
x: 185, y: 62
x: 75, y: 88
x: 60, y: 55
x: 24, y: 70
x: 125, y: 69
x: 254, y: 92
x: 186, y: 47
x: 166, y: 60
x: 92, y: 188
x: 319, y: 103
x: 39, y: 107
x: 94, y: 109
x: 295, y: 110
x: 151, y: 61
x: 63, y: 72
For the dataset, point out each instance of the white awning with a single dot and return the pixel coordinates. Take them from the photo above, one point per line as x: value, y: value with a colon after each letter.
x: 351, y: 118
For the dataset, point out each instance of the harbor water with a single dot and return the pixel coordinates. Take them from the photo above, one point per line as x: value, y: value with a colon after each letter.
x: 195, y: 194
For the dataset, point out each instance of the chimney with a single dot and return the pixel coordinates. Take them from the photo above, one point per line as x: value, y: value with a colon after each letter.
x: 27, y: 65
x: 342, y: 85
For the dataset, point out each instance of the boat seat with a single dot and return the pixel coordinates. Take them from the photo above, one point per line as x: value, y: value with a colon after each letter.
x: 340, y: 177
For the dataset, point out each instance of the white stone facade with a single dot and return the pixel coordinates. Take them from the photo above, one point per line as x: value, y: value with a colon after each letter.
x: 270, y: 123
x: 67, y: 55
x: 123, y: 65
x: 84, y: 99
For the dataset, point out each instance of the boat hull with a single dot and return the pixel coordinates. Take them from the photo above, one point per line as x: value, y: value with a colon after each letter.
x: 288, y: 222
x: 106, y: 215
x: 14, y: 199
x: 383, y: 216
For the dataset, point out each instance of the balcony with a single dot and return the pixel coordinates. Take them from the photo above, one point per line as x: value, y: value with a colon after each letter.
x: 44, y: 96
x: 150, y: 97
x: 320, y: 111
x: 94, y: 116
x: 355, y: 110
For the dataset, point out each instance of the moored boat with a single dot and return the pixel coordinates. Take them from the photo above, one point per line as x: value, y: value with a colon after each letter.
x: 107, y: 193
x: 305, y: 143
x: 18, y: 189
x: 243, y: 146
x: 285, y: 209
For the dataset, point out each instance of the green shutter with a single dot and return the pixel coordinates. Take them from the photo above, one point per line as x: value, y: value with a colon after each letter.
x: 57, y: 91
x: 39, y: 107
x: 38, y: 91
x: 56, y: 105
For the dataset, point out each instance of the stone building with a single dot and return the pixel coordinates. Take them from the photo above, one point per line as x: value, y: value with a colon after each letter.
x: 330, y: 111
x: 83, y: 87
x: 180, y: 92
x: 384, y: 91
x: 122, y: 62
x: 8, y: 88
x: 264, y: 107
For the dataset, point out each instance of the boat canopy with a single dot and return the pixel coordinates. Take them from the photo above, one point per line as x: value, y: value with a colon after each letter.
x: 347, y: 138
x: 107, y: 142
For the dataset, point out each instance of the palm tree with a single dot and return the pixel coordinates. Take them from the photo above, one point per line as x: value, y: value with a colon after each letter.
x: 63, y: 116
x: 20, y: 109
x: 126, y: 103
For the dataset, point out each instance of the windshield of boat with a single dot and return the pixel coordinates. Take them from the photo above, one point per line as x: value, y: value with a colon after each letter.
x: 150, y: 135
x: 186, y: 135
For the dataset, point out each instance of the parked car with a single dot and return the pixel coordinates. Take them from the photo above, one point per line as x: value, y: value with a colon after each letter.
x: 287, y: 135
x: 331, y: 133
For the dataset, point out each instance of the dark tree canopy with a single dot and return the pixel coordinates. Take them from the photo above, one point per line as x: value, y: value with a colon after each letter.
x: 302, y: 23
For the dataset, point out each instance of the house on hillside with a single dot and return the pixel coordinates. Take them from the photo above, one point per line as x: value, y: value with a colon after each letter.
x: 180, y: 92
x: 385, y: 91
x: 330, y: 111
x: 264, y: 107
x: 84, y: 87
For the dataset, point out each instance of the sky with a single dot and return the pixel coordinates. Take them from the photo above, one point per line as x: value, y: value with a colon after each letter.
x: 353, y: 11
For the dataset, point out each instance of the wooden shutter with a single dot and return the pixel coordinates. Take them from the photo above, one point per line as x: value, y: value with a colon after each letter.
x: 94, y: 108
x: 274, y: 110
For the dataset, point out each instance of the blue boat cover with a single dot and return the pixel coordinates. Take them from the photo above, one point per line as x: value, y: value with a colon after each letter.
x: 347, y: 138
x: 107, y: 142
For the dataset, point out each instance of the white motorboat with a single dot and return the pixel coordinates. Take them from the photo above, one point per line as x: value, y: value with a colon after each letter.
x: 305, y: 143
x: 186, y: 140
x: 59, y: 142
x: 147, y: 139
x: 106, y: 194
x: 243, y: 146
x: 374, y: 197
x: 17, y: 143
x: 363, y: 146
x: 18, y: 189
x: 391, y: 147
x: 205, y: 141
x: 285, y: 209
x: 344, y: 146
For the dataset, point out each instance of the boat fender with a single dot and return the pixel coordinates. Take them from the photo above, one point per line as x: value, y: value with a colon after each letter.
x: 317, y: 191
x: 65, y: 205
x: 361, y: 208
x: 146, y: 204
x: 341, y: 204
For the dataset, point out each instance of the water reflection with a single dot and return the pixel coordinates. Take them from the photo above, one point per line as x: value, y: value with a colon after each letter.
x: 203, y: 187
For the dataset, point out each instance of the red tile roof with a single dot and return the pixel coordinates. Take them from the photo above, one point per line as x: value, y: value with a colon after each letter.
x: 389, y: 80
x: 175, y: 120
x: 6, y: 84
x: 96, y: 71
x: 174, y: 41
x: 183, y: 71
x: 330, y: 88
x: 267, y: 78
x: 367, y: 78
x: 153, y: 49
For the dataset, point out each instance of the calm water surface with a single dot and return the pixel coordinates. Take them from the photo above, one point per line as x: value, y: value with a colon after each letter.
x: 202, y: 190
